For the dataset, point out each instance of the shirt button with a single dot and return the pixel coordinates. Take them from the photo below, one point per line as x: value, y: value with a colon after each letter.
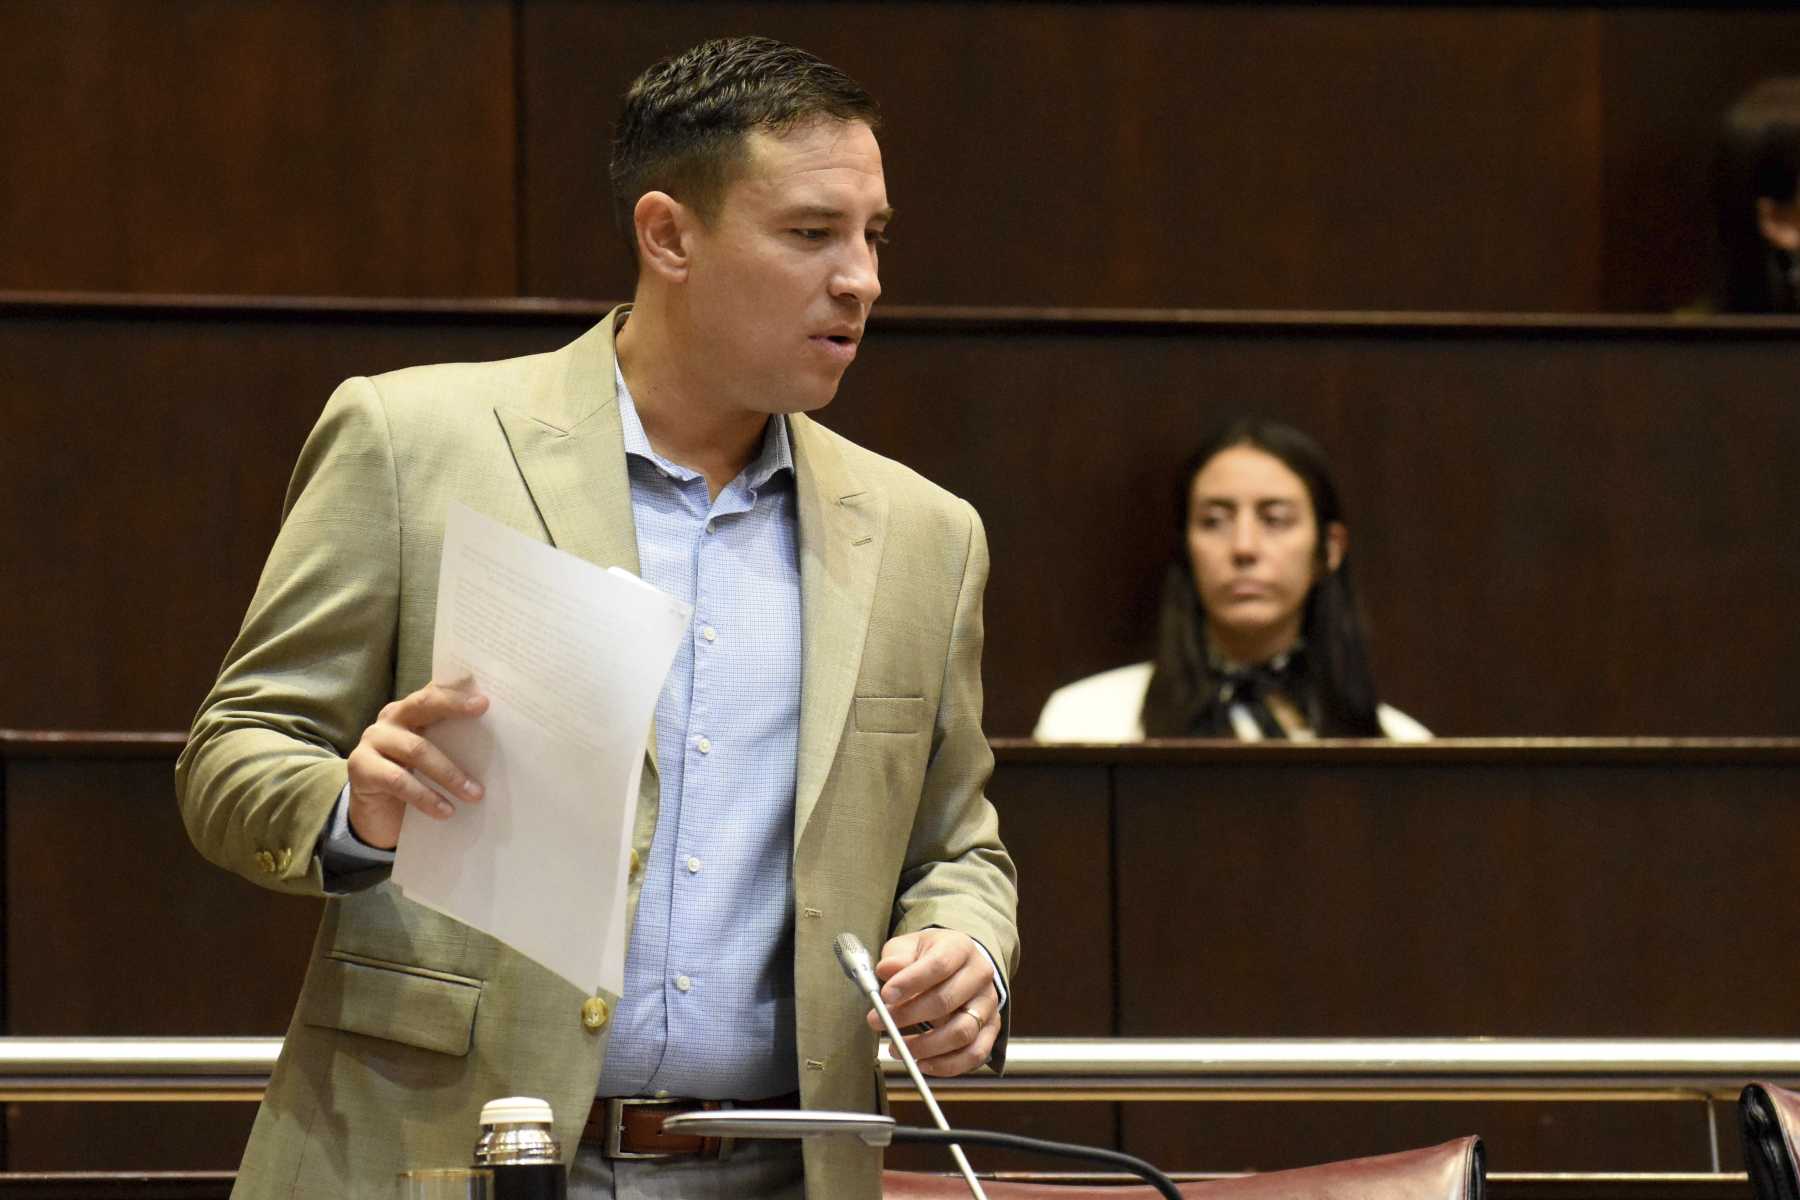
x: 693, y: 865
x: 704, y: 745
x: 709, y: 527
x: 683, y: 983
x: 709, y: 633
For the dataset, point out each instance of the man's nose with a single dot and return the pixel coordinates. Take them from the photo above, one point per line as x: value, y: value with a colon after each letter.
x: 859, y: 276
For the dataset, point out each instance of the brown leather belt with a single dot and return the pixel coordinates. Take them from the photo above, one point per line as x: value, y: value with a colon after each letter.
x: 632, y: 1126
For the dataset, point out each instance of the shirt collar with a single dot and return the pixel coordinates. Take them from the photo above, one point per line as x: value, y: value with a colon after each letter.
x: 775, y: 456
x: 1280, y: 664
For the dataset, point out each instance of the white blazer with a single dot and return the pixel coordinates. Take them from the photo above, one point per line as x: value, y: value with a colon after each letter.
x: 1109, y: 707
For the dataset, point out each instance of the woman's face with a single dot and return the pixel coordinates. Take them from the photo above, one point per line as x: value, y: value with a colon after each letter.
x: 1253, y: 541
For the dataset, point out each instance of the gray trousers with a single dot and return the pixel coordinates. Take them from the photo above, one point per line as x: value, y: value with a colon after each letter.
x: 769, y: 1170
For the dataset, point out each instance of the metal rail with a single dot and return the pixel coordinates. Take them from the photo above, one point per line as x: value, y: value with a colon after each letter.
x: 1059, y: 1069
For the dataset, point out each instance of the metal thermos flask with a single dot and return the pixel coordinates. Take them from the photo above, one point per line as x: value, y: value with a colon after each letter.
x: 518, y: 1143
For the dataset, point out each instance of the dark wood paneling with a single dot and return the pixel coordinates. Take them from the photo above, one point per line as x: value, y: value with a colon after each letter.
x: 211, y: 146
x: 1146, y: 154
x: 1383, y: 899
x: 145, y: 464
x: 1057, y: 823
x: 1575, y: 528
x: 129, y: 1137
x: 1309, y: 156
x: 1570, y: 889
x: 116, y: 927
x: 1612, y: 875
x: 209, y: 954
x: 1536, y: 1136
x: 136, y: 1185
x: 1670, y: 74
x: 1554, y: 532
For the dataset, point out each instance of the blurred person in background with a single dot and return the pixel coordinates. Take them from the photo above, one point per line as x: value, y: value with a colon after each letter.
x: 1259, y: 634
x: 1756, y: 185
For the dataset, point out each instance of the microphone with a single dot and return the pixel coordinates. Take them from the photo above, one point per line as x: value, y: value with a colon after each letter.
x: 853, y: 957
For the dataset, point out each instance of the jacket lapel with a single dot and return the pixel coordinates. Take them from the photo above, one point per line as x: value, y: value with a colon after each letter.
x: 569, y: 446
x: 843, y: 527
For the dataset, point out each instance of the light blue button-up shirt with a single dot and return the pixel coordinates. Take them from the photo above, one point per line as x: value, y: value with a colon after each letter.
x: 708, y: 1004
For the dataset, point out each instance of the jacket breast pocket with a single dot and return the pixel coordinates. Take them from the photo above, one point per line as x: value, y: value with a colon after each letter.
x: 889, y: 714
x: 429, y: 1010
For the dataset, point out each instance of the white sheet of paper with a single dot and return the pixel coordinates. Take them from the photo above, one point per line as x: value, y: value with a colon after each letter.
x: 572, y: 658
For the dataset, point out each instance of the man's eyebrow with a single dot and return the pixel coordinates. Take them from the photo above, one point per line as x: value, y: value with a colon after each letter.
x: 820, y: 212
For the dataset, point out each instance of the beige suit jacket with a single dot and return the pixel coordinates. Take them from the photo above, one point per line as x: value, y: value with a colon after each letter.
x: 409, y: 1021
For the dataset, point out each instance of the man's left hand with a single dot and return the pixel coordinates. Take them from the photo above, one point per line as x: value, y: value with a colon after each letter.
x: 941, y: 978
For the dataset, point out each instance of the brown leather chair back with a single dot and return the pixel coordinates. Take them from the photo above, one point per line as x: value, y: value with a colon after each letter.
x: 1768, y: 1116
x: 1452, y: 1171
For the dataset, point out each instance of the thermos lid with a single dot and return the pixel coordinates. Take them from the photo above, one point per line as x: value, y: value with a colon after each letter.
x: 516, y: 1110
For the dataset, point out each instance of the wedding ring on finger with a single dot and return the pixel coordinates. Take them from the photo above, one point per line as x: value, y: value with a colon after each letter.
x: 969, y: 1011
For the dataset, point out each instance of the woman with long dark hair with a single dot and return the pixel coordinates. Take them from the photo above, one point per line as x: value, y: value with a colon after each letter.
x: 1259, y: 634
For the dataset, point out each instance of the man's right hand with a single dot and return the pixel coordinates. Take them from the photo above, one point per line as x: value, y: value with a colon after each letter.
x: 382, y: 765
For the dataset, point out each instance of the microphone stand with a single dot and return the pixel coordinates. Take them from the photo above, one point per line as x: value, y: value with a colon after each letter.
x: 854, y: 958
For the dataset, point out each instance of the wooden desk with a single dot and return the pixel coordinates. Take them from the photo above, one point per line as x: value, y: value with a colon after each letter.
x: 1598, y: 888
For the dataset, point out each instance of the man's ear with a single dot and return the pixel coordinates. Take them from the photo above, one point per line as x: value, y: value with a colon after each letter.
x: 1337, y: 544
x: 661, y: 223
x: 1780, y: 223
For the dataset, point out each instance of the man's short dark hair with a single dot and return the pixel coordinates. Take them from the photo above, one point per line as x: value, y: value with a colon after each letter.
x: 684, y: 122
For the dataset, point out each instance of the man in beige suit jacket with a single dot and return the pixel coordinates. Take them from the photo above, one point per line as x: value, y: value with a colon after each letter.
x: 749, y: 306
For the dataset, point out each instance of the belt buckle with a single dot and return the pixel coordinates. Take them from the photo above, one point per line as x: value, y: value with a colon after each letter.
x: 615, y: 1119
